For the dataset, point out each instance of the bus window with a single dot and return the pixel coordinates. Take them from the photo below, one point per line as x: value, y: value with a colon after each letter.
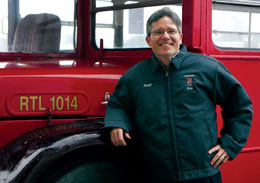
x: 14, y: 12
x: 122, y: 24
x: 235, y: 24
x: 3, y: 25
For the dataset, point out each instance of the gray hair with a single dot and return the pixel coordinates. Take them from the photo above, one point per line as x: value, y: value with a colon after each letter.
x: 160, y: 14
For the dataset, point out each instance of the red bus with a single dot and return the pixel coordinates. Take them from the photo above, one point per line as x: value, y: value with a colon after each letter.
x: 60, y: 61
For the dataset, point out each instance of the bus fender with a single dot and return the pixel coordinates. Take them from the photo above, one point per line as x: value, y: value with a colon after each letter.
x: 50, y: 143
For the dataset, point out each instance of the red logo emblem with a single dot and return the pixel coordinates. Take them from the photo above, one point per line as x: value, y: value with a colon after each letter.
x: 189, y: 81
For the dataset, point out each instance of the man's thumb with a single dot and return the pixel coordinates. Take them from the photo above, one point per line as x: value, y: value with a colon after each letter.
x: 127, y: 135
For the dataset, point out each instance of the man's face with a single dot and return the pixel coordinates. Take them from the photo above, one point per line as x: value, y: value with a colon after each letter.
x: 165, y: 39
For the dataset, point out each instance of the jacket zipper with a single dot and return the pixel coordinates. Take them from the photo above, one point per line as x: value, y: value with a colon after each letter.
x: 171, y: 128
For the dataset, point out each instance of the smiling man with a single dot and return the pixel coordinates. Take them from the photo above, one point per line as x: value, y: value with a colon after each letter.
x: 170, y: 102
x: 164, y: 38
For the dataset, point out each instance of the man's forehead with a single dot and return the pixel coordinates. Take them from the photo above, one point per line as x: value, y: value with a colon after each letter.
x: 156, y: 25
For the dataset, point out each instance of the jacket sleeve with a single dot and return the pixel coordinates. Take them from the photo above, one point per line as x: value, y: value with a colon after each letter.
x: 236, y: 111
x: 119, y: 110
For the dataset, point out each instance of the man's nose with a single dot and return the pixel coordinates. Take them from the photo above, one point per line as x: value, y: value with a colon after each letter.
x: 165, y: 35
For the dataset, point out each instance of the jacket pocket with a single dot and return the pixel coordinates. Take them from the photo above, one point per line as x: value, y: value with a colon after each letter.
x: 194, y: 139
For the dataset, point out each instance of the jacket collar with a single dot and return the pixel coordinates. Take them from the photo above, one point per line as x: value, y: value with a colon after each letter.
x: 177, y: 61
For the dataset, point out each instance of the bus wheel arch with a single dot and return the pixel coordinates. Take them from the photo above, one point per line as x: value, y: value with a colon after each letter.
x: 93, y: 163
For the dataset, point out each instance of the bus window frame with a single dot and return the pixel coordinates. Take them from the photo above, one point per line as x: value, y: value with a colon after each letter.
x: 224, y: 53
x: 242, y: 8
x: 42, y: 56
x: 94, y: 10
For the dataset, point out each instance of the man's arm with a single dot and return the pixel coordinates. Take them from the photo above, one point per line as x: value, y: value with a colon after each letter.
x: 119, y: 113
x: 236, y: 113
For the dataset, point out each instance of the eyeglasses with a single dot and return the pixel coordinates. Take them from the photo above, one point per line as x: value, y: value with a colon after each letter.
x: 161, y: 32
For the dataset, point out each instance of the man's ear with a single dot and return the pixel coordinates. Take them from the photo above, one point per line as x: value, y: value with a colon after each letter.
x: 148, y: 40
x: 181, y: 37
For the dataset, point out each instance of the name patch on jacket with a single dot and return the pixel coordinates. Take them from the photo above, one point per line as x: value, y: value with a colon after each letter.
x: 147, y: 85
x: 189, y: 81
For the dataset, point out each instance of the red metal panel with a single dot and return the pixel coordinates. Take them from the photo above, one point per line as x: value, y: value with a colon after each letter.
x: 192, y: 28
x: 32, y: 88
x: 245, y: 66
x: 244, y: 169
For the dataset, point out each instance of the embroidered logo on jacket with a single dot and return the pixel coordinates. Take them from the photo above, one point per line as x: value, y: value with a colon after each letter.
x: 189, y: 81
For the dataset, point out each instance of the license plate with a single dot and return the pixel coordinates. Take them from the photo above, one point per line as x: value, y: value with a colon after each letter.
x: 60, y: 104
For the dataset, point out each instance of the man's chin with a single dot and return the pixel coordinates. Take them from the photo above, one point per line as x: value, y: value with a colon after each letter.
x: 167, y: 54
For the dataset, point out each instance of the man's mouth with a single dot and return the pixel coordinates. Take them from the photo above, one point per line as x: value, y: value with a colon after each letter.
x: 166, y: 44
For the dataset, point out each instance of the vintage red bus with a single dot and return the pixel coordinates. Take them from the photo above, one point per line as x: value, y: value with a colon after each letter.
x: 60, y: 61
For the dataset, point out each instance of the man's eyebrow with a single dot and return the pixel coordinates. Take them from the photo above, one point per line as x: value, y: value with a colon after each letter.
x: 169, y: 28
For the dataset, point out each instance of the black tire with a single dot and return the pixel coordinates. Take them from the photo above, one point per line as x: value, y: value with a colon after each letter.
x: 89, y: 165
x: 88, y: 172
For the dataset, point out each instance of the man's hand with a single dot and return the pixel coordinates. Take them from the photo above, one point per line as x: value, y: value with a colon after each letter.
x: 220, y: 158
x: 117, y: 136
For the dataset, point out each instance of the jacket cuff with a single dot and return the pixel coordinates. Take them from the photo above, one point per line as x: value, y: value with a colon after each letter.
x: 118, y: 124
x: 232, y: 147
x: 118, y: 119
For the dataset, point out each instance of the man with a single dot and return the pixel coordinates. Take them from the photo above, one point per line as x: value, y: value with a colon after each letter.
x: 170, y: 102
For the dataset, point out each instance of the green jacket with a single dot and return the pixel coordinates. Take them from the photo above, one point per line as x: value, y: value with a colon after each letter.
x: 174, y: 114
